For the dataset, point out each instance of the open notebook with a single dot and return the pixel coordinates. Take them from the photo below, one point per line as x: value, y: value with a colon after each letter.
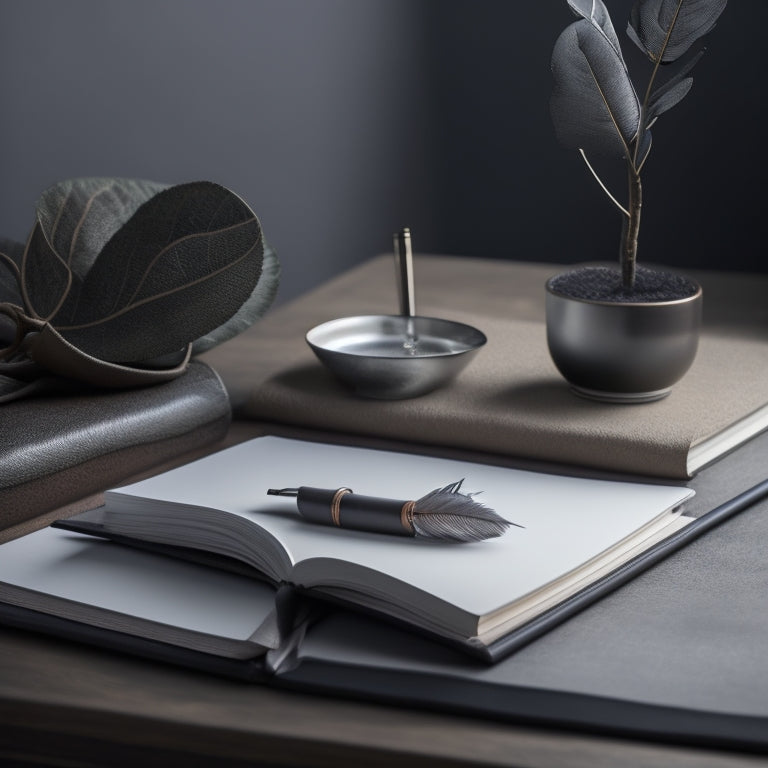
x: 575, y: 533
x: 647, y: 659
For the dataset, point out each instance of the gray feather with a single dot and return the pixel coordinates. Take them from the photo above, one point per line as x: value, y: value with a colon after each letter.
x: 445, y: 513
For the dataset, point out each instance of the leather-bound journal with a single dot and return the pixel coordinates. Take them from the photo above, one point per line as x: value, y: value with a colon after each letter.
x: 510, y: 400
x: 59, y: 449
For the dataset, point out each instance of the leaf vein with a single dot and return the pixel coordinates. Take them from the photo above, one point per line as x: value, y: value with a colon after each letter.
x: 81, y: 221
x: 608, y: 108
x: 149, y: 299
x: 176, y: 242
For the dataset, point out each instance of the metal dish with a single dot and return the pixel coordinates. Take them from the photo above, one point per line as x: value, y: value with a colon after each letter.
x: 393, y: 357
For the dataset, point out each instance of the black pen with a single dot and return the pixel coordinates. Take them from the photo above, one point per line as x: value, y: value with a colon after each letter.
x: 445, y: 513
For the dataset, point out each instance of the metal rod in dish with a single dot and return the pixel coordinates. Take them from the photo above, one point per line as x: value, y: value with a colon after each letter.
x: 406, y: 285
x: 392, y: 357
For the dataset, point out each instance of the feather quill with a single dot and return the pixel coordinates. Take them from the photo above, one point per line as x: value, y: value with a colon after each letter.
x: 446, y: 513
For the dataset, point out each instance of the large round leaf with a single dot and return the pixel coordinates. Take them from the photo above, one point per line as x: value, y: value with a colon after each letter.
x: 181, y: 266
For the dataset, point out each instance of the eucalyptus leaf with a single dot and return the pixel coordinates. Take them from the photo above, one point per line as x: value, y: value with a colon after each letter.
x: 594, y: 105
x: 181, y: 266
x: 661, y: 102
x: 259, y: 302
x: 665, y: 29
x: 673, y: 91
x: 597, y: 14
x: 79, y: 216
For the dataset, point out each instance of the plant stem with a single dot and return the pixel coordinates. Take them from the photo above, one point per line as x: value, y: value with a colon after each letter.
x: 631, y: 228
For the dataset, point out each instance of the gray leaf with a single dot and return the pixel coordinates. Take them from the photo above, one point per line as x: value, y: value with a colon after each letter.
x: 181, y: 266
x: 662, y: 101
x: 45, y: 278
x: 259, y: 302
x: 79, y: 216
x: 594, y: 106
x: 665, y: 29
x: 673, y: 91
x: 597, y: 14
x: 56, y: 356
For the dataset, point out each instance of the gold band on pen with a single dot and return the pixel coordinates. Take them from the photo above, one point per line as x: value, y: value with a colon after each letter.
x: 406, y: 516
x: 336, y: 505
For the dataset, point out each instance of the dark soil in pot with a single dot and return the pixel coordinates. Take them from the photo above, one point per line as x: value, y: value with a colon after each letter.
x: 605, y: 284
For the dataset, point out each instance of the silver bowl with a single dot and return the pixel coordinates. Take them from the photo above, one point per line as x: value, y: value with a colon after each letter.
x: 393, y: 357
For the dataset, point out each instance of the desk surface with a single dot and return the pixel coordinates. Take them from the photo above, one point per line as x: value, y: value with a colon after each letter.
x: 62, y: 704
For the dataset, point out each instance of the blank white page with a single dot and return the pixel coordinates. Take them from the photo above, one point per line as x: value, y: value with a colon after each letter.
x: 86, y: 570
x: 567, y: 520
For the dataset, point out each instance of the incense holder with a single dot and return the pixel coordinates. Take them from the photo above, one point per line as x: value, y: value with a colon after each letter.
x: 394, y: 357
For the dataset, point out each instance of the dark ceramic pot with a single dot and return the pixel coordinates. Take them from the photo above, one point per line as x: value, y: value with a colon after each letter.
x: 622, y: 351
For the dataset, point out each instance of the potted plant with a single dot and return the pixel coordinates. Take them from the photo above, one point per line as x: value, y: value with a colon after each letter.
x: 627, y: 333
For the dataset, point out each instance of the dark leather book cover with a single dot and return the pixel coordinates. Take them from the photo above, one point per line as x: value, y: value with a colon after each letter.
x: 58, y: 449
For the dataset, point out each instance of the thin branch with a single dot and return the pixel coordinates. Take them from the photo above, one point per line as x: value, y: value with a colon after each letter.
x: 604, y: 188
x: 642, y: 162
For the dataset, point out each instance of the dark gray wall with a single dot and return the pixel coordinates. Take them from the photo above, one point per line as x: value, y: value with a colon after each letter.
x: 340, y: 121
x: 309, y: 109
